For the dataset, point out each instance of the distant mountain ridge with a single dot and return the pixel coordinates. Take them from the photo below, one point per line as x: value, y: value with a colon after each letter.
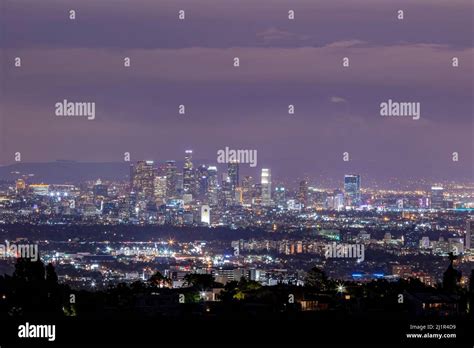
x: 66, y: 171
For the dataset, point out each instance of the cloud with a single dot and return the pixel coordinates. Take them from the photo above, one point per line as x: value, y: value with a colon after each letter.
x: 346, y: 44
x: 275, y: 35
x: 409, y: 66
x: 338, y: 100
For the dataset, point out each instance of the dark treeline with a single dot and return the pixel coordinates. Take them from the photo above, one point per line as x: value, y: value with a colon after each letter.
x: 33, y: 290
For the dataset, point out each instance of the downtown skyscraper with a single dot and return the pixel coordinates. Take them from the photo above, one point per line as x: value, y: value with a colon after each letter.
x: 437, y: 197
x: 233, y: 174
x: 143, y: 180
x: 189, y: 182
x: 266, y: 182
x: 212, y: 186
x: 171, y: 172
x: 352, y: 189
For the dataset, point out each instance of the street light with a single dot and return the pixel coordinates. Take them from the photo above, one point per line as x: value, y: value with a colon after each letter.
x: 341, y: 288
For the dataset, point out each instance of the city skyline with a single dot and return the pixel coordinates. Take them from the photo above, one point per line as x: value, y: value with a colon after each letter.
x: 38, y: 173
x: 200, y: 184
x: 71, y: 171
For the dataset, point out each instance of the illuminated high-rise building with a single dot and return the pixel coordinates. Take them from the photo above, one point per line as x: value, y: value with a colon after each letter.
x: 257, y: 189
x: 247, y: 190
x: 212, y: 186
x: 189, y: 182
x: 266, y: 182
x: 227, y: 194
x: 233, y: 173
x: 160, y: 188
x: 280, y: 196
x: 238, y: 196
x: 303, y: 193
x: 143, y: 180
x: 437, y: 197
x: 179, y: 185
x: 171, y: 173
x: 202, y: 180
x: 338, y: 202
x: 316, y: 198
x: 100, y: 190
x: 352, y: 189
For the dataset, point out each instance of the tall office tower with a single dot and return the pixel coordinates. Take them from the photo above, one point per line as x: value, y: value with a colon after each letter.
x: 330, y: 201
x: 189, y: 183
x: 280, y: 196
x: 131, y: 175
x: 352, y: 189
x: 233, y: 181
x: 338, y: 199
x: 303, y: 193
x: 247, y: 190
x: 233, y: 173
x: 437, y: 197
x: 161, y: 169
x: 171, y: 173
x: 132, y: 205
x: 202, y: 181
x: 143, y: 178
x: 238, y: 196
x: 470, y: 234
x: 179, y: 184
x: 212, y: 186
x: 100, y: 190
x: 266, y: 181
x: 160, y: 189
x: 317, y: 198
x: 227, y: 196
x: 257, y: 198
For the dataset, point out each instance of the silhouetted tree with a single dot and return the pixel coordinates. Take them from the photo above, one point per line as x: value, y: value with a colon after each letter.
x: 471, y: 294
x: 159, y: 280
x: 29, y: 271
x: 451, y: 276
x: 200, y: 281
x: 33, y: 289
x: 51, y: 276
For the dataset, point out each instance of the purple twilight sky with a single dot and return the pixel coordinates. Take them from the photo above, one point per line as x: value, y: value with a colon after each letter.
x: 282, y: 61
